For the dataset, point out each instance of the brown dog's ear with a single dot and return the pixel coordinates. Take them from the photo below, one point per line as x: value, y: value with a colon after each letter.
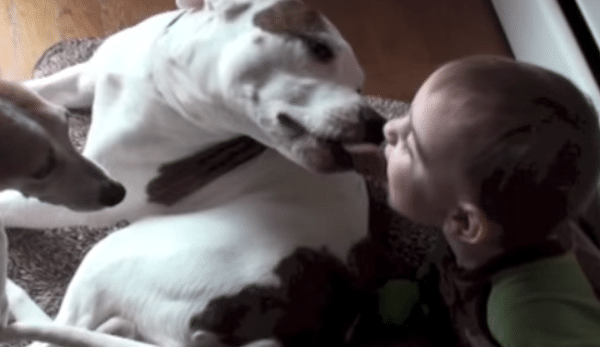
x: 290, y: 17
x: 203, y: 4
x: 190, y: 4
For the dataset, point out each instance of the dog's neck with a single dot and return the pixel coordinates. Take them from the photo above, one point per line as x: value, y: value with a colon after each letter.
x: 171, y: 70
x: 198, y: 96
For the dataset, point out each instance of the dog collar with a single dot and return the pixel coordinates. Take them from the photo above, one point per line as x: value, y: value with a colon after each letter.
x: 180, y: 178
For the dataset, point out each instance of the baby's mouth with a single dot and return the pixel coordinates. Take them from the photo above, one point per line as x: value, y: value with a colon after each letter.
x: 367, y: 159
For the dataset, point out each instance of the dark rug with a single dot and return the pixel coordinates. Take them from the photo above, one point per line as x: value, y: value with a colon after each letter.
x: 43, y: 261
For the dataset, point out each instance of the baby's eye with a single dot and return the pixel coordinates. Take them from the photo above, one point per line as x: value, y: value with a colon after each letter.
x: 396, y: 130
x: 393, y: 140
x: 391, y: 131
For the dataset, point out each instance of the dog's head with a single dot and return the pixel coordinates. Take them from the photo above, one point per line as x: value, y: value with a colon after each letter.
x: 284, y: 75
x: 38, y: 159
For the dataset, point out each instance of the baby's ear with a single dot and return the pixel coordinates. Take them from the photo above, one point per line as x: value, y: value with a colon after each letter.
x: 467, y: 223
x: 191, y: 4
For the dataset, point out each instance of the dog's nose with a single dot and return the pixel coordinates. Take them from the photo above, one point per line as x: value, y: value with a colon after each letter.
x: 111, y: 193
x: 374, y: 123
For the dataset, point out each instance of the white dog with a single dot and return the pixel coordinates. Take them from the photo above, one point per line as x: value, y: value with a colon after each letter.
x: 257, y: 252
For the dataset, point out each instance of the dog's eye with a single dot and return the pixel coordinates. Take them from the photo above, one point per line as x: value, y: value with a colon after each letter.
x: 359, y: 90
x: 319, y: 50
x: 47, y: 168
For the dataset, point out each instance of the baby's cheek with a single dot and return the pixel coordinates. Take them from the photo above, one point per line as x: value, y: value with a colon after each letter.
x: 406, y: 197
x: 398, y: 191
x: 393, y: 196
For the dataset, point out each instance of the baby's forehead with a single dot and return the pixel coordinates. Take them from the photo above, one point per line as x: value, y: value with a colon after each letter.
x: 466, y: 114
x: 461, y: 106
x: 484, y: 92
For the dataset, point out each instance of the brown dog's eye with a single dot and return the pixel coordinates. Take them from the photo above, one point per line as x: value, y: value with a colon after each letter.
x: 47, y: 168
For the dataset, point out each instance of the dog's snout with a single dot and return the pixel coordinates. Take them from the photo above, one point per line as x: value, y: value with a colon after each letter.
x: 111, y: 193
x: 374, y: 123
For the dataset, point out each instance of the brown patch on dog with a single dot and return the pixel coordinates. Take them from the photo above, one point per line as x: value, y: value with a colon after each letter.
x: 235, y: 11
x: 178, y: 179
x: 290, y: 17
x: 314, y: 306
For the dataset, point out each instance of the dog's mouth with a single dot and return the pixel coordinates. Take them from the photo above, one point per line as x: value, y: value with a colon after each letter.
x: 329, y: 154
x: 363, y: 157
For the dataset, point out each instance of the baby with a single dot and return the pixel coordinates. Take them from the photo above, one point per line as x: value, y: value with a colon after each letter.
x: 502, y: 156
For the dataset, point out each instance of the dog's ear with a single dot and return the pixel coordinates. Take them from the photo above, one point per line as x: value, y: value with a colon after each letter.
x: 190, y: 4
x: 201, y: 4
x: 206, y: 4
x: 290, y: 16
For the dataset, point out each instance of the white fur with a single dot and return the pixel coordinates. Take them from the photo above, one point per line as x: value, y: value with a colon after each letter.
x: 160, y: 93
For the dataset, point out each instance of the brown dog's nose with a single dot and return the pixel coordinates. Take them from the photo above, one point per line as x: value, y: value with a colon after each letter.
x: 111, y: 193
x: 374, y: 123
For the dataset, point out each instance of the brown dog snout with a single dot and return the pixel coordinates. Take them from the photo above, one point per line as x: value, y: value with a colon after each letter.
x: 111, y: 193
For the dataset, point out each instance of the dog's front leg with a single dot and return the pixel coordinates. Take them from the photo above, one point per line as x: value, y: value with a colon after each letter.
x: 72, y: 87
x: 23, y: 212
x: 3, y: 266
x: 22, y: 306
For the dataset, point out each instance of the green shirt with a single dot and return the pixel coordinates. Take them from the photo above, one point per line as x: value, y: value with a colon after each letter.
x: 544, y: 303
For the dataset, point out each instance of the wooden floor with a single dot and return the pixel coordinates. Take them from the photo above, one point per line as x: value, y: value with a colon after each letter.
x: 398, y: 42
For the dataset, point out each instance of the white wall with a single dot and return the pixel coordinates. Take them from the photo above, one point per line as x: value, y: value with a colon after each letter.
x: 538, y: 33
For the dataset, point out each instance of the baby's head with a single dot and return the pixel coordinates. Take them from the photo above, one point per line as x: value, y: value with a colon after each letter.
x: 494, y: 152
